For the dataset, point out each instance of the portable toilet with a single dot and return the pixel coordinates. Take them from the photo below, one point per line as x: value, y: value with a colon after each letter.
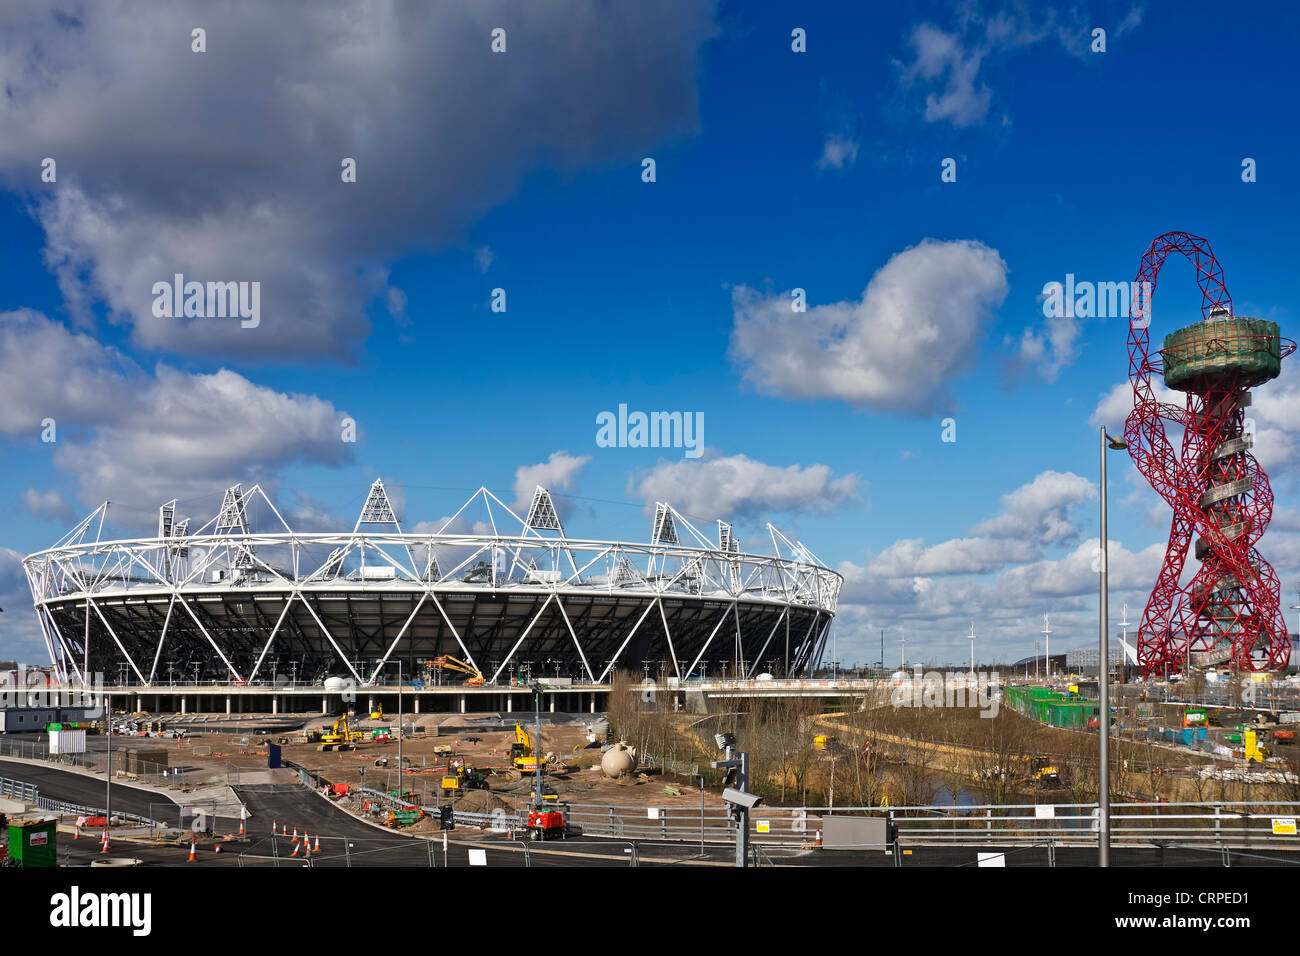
x: 32, y: 842
x: 273, y: 757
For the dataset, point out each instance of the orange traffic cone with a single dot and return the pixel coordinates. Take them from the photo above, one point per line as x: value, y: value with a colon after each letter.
x: 218, y: 847
x: 819, y: 837
x: 104, y: 848
x: 285, y: 830
x: 295, y: 833
x: 295, y: 848
x: 76, y: 833
x: 273, y: 826
x: 192, y: 856
x: 241, y: 828
x: 317, y: 847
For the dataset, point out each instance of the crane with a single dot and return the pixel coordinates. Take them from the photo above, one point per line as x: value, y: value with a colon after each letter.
x: 446, y: 662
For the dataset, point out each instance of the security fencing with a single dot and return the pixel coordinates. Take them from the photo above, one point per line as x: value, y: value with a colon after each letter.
x: 126, y: 768
x: 1237, y: 824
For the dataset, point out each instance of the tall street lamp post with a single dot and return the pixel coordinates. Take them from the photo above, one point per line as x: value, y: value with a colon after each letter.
x: 1108, y: 443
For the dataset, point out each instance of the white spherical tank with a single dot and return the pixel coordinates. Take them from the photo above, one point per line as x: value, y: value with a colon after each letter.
x: 334, y: 684
x: 618, y: 761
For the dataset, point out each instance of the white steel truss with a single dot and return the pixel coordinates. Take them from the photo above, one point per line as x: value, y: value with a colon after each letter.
x: 504, y: 594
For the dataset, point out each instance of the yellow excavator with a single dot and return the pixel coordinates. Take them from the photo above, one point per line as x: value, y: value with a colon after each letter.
x: 447, y: 663
x: 522, y: 755
x: 339, y: 736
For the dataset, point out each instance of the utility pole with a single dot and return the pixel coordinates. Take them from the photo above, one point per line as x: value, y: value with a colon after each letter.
x: 1103, y: 685
x: 108, y: 767
x: 537, y: 743
x: 972, y: 649
x: 399, y: 728
x: 903, y: 641
x: 1047, y: 652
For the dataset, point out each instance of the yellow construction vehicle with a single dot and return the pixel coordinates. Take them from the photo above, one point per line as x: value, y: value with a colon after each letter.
x: 339, y: 736
x: 1043, y: 772
x: 1253, y: 748
x: 447, y: 663
x: 377, y: 713
x: 522, y: 755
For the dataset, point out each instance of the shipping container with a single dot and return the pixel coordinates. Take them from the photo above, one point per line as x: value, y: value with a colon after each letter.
x: 32, y: 842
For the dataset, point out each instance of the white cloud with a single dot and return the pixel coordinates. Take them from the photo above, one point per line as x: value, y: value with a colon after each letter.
x: 138, y: 439
x: 47, y: 371
x: 838, y: 151
x: 483, y: 257
x: 226, y: 165
x: 737, y: 487
x: 895, y: 349
x: 947, y: 64
x: 1041, y: 509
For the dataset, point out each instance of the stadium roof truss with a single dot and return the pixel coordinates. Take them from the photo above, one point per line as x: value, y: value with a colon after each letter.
x: 239, y: 593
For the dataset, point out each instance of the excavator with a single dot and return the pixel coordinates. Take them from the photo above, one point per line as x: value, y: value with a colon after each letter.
x: 445, y: 662
x: 522, y: 755
x: 340, y: 737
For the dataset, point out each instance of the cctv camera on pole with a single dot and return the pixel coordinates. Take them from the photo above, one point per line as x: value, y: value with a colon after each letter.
x: 738, y: 799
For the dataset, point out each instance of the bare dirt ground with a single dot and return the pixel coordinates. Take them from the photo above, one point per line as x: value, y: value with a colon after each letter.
x: 573, y: 773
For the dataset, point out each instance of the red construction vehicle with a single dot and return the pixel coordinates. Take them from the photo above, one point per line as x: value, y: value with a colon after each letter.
x: 546, y: 824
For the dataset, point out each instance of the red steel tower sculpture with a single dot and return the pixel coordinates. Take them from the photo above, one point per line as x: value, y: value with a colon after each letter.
x: 1229, y: 611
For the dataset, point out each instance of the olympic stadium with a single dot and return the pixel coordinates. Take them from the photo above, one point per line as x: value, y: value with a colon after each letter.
x: 235, y: 605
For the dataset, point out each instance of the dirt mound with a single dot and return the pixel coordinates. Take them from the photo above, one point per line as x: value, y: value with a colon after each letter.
x: 481, y: 801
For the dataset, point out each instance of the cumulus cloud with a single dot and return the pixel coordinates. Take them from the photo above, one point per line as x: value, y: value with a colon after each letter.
x: 1007, y: 607
x: 1037, y: 513
x: 140, y: 439
x: 738, y: 487
x: 226, y: 165
x: 558, y: 473
x: 47, y: 371
x: 896, y: 349
x: 1041, y: 509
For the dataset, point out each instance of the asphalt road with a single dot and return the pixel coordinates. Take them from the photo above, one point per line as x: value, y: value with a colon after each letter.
x: 86, y: 790
x: 345, y: 840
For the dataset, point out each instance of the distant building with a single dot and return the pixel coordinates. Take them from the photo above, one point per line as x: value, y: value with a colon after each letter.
x: 1083, y: 660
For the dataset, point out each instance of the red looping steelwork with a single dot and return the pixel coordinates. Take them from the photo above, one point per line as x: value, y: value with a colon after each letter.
x: 1230, y: 611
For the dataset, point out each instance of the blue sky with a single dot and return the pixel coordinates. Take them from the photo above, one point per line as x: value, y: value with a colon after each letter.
x: 775, y: 170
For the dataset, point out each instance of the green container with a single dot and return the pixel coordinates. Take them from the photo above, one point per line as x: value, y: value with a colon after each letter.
x: 32, y: 842
x: 1198, y: 355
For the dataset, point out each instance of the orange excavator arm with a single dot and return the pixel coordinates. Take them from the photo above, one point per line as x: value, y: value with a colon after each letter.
x: 449, y: 663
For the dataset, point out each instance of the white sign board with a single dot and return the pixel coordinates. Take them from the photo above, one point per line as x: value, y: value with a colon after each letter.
x: 991, y: 859
x: 478, y: 857
x: 652, y: 813
x: 1045, y: 811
